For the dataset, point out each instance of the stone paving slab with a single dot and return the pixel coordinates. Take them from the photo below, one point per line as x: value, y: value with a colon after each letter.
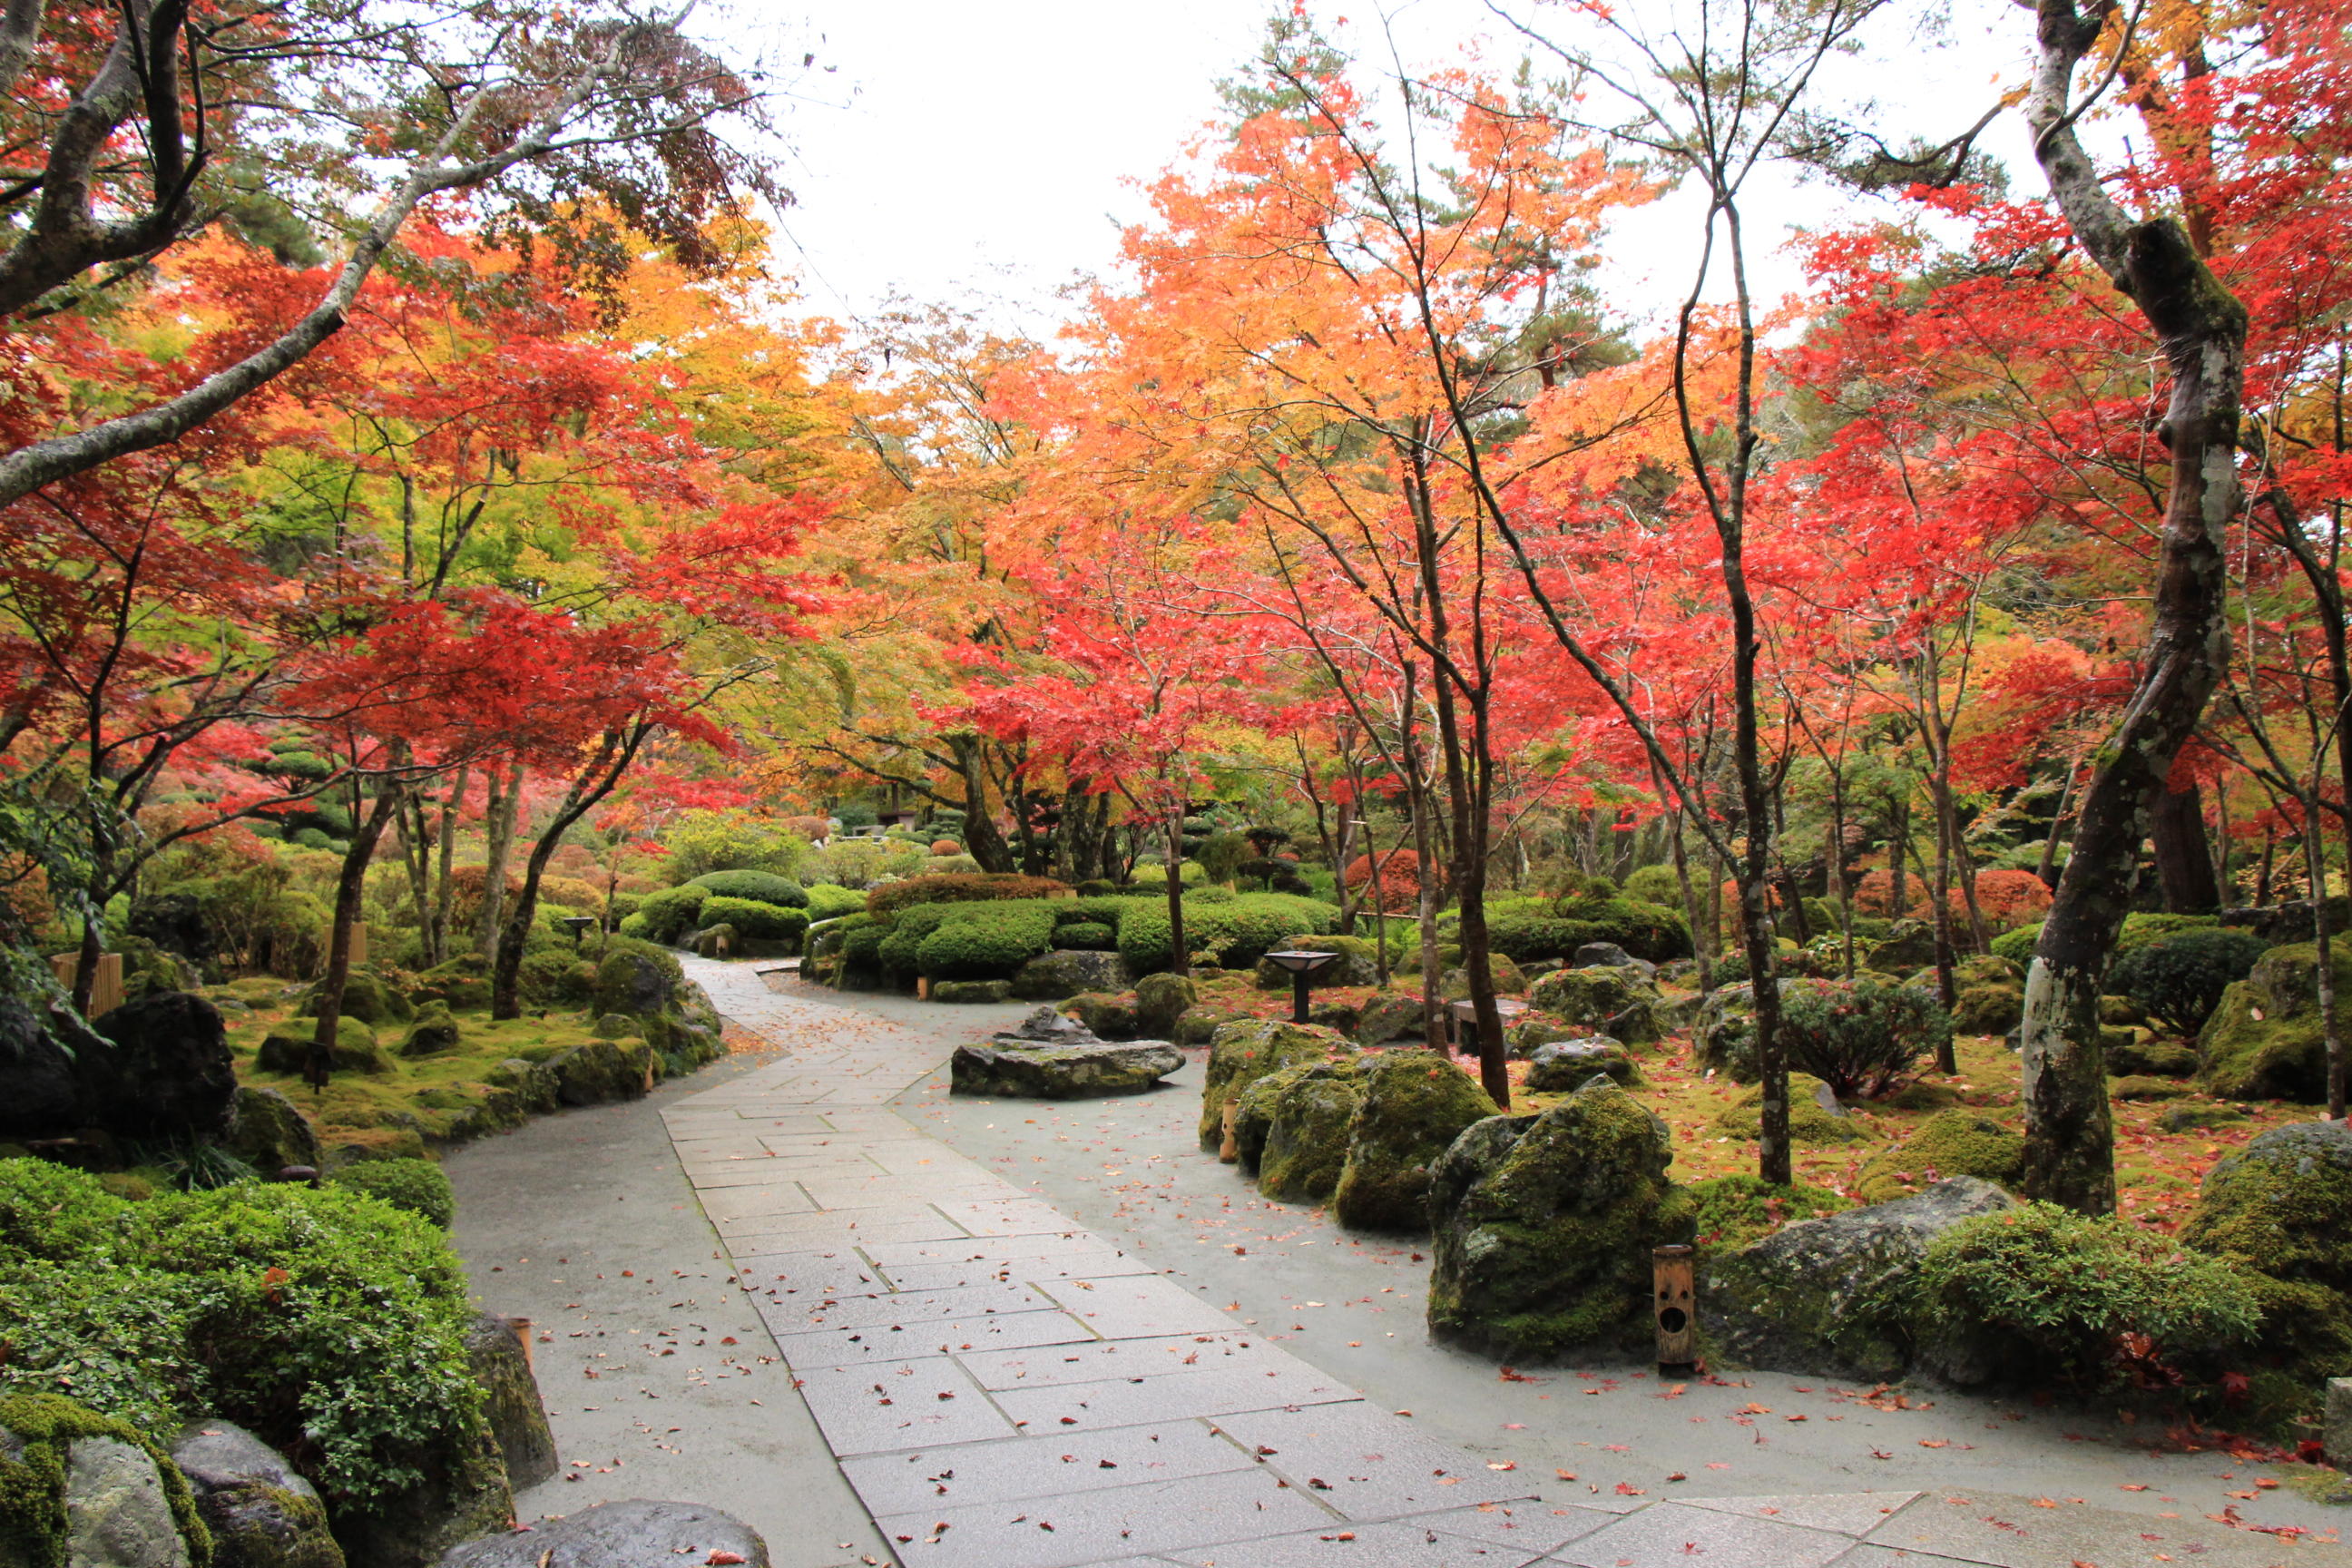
x: 1003, y: 1388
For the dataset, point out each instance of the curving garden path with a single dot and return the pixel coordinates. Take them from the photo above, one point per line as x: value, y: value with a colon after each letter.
x: 976, y: 1378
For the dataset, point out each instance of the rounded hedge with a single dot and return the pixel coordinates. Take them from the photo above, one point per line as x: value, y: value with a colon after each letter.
x: 761, y: 887
x: 414, y: 1186
x: 2178, y: 980
x: 1087, y: 936
x: 989, y: 942
x: 829, y: 900
x: 754, y: 919
x: 956, y: 887
x: 669, y: 914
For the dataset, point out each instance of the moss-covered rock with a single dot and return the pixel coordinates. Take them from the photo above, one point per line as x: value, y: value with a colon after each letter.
x: 463, y: 1496
x: 2280, y: 1205
x: 2264, y: 1041
x: 433, y: 1032
x: 1104, y: 1016
x: 1307, y: 1114
x: 1022, y: 1070
x: 600, y: 1071
x: 1244, y: 1051
x: 1909, y: 944
x: 1819, y: 1296
x: 2139, y: 1086
x: 2121, y: 1012
x: 268, y: 1131
x: 1358, y: 964
x: 1544, y: 1227
x: 2142, y: 1055
x: 462, y: 985
x: 1811, y: 1124
x: 511, y: 1405
x: 1948, y: 1143
x: 1616, y: 1001
x: 1198, y: 1025
x: 366, y: 997
x: 78, y: 1487
x: 638, y: 978
x: 2199, y: 1115
x: 971, y: 991
x: 1732, y: 1212
x: 1415, y: 1103
x: 287, y: 1048
x: 262, y: 1513
x: 1561, y: 1065
x: 1509, y: 980
x: 1051, y: 977
x: 1994, y: 1010
x: 1159, y: 1001
x: 1389, y: 1017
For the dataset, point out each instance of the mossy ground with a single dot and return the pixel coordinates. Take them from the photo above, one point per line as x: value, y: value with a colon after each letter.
x: 2156, y: 1171
x: 423, y: 1099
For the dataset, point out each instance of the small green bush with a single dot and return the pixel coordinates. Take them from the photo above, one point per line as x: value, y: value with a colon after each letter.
x: 968, y: 887
x: 754, y: 919
x: 985, y: 942
x: 828, y: 900
x: 1646, y: 931
x: 414, y: 1186
x: 2178, y: 980
x: 1860, y: 1038
x: 735, y: 840
x: 1087, y: 936
x: 2138, y: 931
x: 761, y: 887
x: 1654, y: 885
x: 2096, y: 1302
x: 666, y: 916
x: 1236, y: 932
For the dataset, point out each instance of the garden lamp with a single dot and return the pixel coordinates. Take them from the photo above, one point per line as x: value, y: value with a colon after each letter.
x: 1304, y: 966
x: 578, y: 926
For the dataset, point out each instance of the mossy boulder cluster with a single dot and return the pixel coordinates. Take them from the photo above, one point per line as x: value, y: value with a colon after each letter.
x: 1544, y: 1227
x: 2277, y: 1212
x: 1241, y: 1053
x: 1291, y: 1128
x: 1815, y: 1119
x: 2264, y: 1041
x: 1415, y: 1104
x: 1615, y: 1000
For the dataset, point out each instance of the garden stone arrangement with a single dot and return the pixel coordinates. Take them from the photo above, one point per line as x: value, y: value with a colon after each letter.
x: 1053, y: 1057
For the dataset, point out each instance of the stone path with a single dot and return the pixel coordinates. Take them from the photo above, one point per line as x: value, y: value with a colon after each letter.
x: 1002, y: 1387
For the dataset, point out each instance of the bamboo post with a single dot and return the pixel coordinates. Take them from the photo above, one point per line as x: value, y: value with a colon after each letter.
x: 1672, y: 1268
x: 1229, y: 1148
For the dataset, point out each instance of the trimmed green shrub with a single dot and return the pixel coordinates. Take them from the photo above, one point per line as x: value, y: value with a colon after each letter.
x: 965, y: 887
x: 1237, y: 933
x: 828, y: 900
x: 414, y: 1186
x: 987, y: 941
x: 2138, y: 931
x: 2178, y: 980
x: 1654, y: 885
x: 754, y: 919
x: 761, y: 887
x: 1087, y: 936
x: 666, y: 916
x: 2096, y: 1302
x: 1646, y: 931
x: 1862, y: 1039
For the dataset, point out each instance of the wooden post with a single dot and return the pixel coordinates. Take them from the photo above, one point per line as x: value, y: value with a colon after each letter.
x: 1676, y: 1312
x: 1229, y: 1148
x: 359, y: 944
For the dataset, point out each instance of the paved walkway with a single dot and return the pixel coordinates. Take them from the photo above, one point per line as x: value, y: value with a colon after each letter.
x: 1004, y: 1387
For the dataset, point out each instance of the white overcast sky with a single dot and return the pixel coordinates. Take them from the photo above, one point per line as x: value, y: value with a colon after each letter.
x: 982, y: 152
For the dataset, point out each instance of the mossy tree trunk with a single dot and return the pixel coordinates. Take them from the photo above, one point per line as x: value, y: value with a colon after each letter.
x: 616, y: 750
x: 351, y: 895
x: 2069, y: 1130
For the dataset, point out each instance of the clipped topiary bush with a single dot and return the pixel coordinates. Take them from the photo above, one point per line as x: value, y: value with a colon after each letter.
x: 759, y: 921
x: 2095, y: 1302
x: 2178, y: 980
x: 976, y: 886
x: 666, y: 916
x: 1860, y: 1038
x: 414, y: 1186
x: 761, y: 887
x: 985, y: 942
x: 1087, y: 936
x: 828, y: 900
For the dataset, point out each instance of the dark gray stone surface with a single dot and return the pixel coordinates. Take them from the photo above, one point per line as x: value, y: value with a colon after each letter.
x: 261, y: 1513
x: 632, y: 1534
x: 1063, y: 1072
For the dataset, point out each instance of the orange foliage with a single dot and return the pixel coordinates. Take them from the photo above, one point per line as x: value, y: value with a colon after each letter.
x: 1400, y: 890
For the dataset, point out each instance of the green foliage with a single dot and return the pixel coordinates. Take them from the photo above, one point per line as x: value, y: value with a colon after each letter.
x: 328, y: 1322
x: 2093, y: 1300
x: 1221, y: 856
x: 704, y: 841
x: 1733, y: 1211
x: 830, y: 900
x: 1087, y: 936
x: 666, y: 916
x: 1948, y: 1143
x: 2138, y: 931
x: 854, y: 814
x: 754, y: 919
x: 1646, y: 930
x: 1860, y: 1038
x: 968, y: 887
x: 558, y: 977
x: 1655, y: 885
x: 1236, y: 933
x: 762, y: 886
x: 413, y: 1187
x: 985, y: 942
x: 1153, y: 874
x: 2178, y: 980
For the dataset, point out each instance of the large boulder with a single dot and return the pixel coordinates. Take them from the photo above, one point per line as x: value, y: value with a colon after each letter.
x: 962, y: 991
x: 1391, y: 1017
x: 1051, y: 977
x: 1415, y: 1103
x: 2283, y: 1204
x: 602, y: 1071
x: 365, y: 997
x: 2265, y: 1041
x: 175, y: 923
x: 638, y: 981
x: 1544, y: 1228
x: 1993, y: 1009
x: 2143, y: 1055
x: 1198, y: 1025
x: 261, y: 1512
x: 1557, y: 1066
x: 517, y: 1418
x: 1105, y: 1016
x: 519, y: 1088
x: 1358, y: 964
x: 269, y: 1132
x: 1617, y: 1002
x: 1061, y: 1072
x: 1293, y: 1129
x: 81, y: 1490
x: 1948, y: 1143
x: 462, y: 1497
x: 1609, y: 955
x: 170, y: 1074
x: 632, y: 1534
x: 433, y: 1032
x: 462, y: 983
x: 1804, y: 1298
x: 1159, y: 1001
x: 1249, y: 1049
x: 1907, y: 946
x: 286, y: 1049
x: 40, y: 1091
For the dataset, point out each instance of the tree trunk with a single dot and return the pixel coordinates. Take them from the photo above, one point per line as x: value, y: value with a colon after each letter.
x: 616, y: 751
x: 2184, y: 859
x: 981, y: 839
x: 2314, y: 853
x: 445, y: 891
x: 500, y: 812
x: 2069, y: 1130
x: 351, y: 893
x: 1179, y: 955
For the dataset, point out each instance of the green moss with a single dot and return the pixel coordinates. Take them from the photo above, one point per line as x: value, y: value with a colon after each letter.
x: 33, y: 1523
x: 1993, y: 1009
x: 1415, y: 1103
x: 1809, y: 1126
x: 1246, y: 1050
x: 368, y: 999
x: 2280, y: 1207
x: 1310, y: 1120
x: 1545, y: 1227
x: 2264, y: 1039
x: 1730, y: 1212
x: 1948, y: 1143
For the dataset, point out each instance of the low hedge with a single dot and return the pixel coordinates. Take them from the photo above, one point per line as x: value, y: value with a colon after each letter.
x: 974, y: 886
x: 1646, y: 931
x: 1237, y: 931
x: 666, y: 916
x: 752, y: 919
x: 2140, y: 931
x: 762, y: 886
x: 828, y: 900
x: 986, y: 942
